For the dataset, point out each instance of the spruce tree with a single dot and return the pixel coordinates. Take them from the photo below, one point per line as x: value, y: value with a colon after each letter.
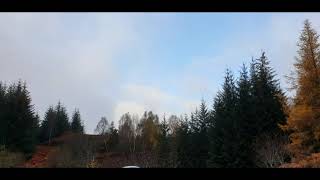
x: 55, y: 123
x: 199, y: 136
x: 48, y: 125
x: 76, y: 123
x: 183, y: 144
x: 245, y: 120
x: 163, y: 148
x: 223, y: 146
x: 22, y: 121
x: 62, y: 120
x: 267, y: 98
x: 268, y: 105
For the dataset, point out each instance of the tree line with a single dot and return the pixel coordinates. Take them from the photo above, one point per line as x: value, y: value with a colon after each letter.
x: 20, y: 127
x: 250, y: 122
x: 225, y: 135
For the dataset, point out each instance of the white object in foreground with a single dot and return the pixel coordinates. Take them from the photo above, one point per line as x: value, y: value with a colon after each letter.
x: 130, y: 167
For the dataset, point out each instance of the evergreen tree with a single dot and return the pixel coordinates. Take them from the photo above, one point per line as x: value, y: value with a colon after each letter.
x: 48, y: 125
x: 62, y: 120
x: 266, y: 109
x: 164, y: 147
x: 267, y: 97
x: 36, y: 126
x: 223, y: 151
x: 55, y: 123
x: 199, y: 136
x: 3, y: 111
x: 76, y: 123
x: 183, y: 145
x: 245, y: 120
x: 22, y: 120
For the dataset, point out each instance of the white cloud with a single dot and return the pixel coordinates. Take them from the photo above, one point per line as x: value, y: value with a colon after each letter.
x: 63, y: 58
x: 139, y: 98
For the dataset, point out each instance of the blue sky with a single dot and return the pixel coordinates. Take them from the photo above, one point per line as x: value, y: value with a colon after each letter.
x: 107, y: 64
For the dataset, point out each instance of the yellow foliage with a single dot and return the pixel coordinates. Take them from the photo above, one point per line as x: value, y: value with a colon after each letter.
x: 312, y: 161
x: 92, y: 164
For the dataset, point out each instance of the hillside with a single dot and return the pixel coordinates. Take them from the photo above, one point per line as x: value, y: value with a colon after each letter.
x: 47, y: 155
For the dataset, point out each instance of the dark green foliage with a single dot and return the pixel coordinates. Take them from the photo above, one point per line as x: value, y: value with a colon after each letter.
x: 76, y: 123
x: 183, y: 145
x: 223, y: 150
x: 47, y: 128
x: 164, y: 146
x: 19, y: 124
x: 267, y: 95
x: 244, y: 112
x: 54, y: 124
x: 246, y: 121
x: 62, y: 121
x: 199, y: 136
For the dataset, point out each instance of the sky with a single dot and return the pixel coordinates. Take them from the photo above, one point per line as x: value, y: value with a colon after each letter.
x: 107, y: 64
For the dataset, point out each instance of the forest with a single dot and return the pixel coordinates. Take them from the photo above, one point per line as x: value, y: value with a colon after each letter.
x: 250, y: 123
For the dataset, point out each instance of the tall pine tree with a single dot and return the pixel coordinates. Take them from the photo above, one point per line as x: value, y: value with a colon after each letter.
x: 183, y: 144
x: 199, y: 136
x: 163, y: 148
x: 268, y: 107
x: 22, y: 122
x: 55, y: 123
x: 245, y: 116
x: 223, y: 152
x: 76, y: 123
x: 62, y: 121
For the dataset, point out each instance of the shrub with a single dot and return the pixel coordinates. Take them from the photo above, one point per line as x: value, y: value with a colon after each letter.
x: 10, y: 159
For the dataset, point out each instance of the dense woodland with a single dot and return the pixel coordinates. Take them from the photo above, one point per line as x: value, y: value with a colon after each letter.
x: 249, y: 123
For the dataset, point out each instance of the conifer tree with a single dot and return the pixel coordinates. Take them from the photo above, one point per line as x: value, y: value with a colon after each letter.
x: 267, y: 110
x: 76, y: 123
x: 55, y: 123
x: 48, y: 125
x: 164, y: 148
x: 267, y: 97
x: 22, y: 120
x: 3, y: 119
x: 303, y: 121
x: 222, y: 151
x: 62, y: 120
x: 199, y: 136
x: 183, y: 144
x: 245, y: 120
